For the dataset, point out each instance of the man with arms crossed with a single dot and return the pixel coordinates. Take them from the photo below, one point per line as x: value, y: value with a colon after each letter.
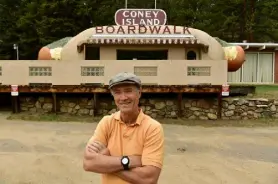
x: 127, y: 146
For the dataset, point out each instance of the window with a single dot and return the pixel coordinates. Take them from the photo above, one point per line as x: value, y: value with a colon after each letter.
x: 142, y: 54
x: 198, y: 71
x: 40, y: 71
x: 92, y: 53
x: 92, y: 71
x: 145, y: 71
x: 258, y: 67
x: 191, y: 55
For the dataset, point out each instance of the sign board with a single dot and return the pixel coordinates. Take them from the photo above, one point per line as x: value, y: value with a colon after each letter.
x: 147, y: 17
x: 153, y: 30
x: 225, y: 90
x: 14, y: 90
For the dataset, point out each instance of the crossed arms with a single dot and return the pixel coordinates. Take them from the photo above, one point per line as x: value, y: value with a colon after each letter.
x: 97, y: 159
x: 144, y: 169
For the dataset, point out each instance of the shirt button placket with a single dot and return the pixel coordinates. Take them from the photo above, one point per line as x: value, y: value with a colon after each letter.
x: 125, y: 135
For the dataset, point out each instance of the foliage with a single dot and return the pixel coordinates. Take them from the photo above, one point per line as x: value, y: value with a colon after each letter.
x: 33, y: 24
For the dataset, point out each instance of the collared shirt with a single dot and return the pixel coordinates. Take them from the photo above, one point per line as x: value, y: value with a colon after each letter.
x: 145, y: 137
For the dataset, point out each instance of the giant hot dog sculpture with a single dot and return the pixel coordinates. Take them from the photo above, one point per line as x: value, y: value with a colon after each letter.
x: 235, y: 55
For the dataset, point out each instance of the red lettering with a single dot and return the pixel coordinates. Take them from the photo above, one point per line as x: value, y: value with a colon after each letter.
x: 131, y: 29
x: 175, y: 30
x: 155, y: 29
x: 110, y: 29
x: 142, y: 29
x: 166, y: 30
x: 186, y: 30
x: 99, y: 29
x: 121, y: 30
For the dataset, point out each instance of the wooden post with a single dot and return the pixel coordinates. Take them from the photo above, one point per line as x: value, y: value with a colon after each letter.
x: 219, y: 113
x: 180, y: 107
x: 54, y: 100
x: 15, y: 104
x: 95, y: 104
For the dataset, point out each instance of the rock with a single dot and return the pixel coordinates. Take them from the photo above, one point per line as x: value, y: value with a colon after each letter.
x: 203, y: 118
x: 169, y: 103
x: 194, y: 108
x: 64, y: 109
x: 143, y: 101
x: 251, y: 104
x: 70, y: 110
x: 261, y: 105
x: 112, y: 111
x: 229, y: 113
x: 71, y: 104
x: 273, y: 108
x: 103, y: 105
x: 91, y: 102
x: 83, y: 111
x: 47, y: 106
x: 212, y: 116
x: 160, y: 105
x: 173, y: 114
x: 153, y: 115
x: 38, y: 105
x: 41, y: 99
x: 187, y: 104
x: 232, y: 107
x: 91, y: 113
x: 33, y: 109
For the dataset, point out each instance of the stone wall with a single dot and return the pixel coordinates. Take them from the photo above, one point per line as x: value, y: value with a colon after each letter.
x: 204, y: 109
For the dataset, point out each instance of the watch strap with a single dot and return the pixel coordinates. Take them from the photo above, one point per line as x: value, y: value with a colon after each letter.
x: 125, y: 166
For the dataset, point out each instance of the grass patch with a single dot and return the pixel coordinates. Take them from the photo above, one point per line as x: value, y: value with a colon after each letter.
x: 262, y: 90
x: 222, y: 123
x: 186, y: 122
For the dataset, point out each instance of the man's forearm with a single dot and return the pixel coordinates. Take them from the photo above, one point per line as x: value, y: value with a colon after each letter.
x: 102, y: 164
x: 137, y: 175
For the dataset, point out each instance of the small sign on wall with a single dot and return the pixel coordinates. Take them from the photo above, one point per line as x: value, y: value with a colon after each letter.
x: 225, y: 90
x: 14, y: 90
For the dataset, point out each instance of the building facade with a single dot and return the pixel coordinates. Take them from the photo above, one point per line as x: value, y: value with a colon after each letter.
x: 261, y: 65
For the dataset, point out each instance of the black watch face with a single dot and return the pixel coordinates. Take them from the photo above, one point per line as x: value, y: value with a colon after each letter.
x: 125, y: 161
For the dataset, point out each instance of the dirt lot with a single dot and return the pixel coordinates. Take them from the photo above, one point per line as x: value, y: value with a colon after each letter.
x: 49, y: 152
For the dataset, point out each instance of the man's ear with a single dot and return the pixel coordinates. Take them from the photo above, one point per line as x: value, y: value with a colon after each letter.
x: 140, y: 92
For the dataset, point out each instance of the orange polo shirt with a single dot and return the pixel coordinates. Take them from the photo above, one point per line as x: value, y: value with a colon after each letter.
x: 145, y: 138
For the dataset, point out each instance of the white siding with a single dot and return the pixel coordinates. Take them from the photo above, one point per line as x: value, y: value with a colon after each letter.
x: 258, y: 68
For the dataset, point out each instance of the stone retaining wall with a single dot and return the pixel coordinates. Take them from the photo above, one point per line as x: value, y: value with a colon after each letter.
x: 205, y: 109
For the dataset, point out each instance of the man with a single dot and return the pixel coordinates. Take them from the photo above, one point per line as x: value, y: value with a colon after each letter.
x: 127, y: 146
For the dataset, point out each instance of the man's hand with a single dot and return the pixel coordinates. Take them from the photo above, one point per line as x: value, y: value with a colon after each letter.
x: 98, y: 147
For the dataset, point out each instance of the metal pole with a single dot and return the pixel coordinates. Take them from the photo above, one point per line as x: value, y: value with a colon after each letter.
x: 125, y: 4
x: 17, y: 52
x: 154, y: 4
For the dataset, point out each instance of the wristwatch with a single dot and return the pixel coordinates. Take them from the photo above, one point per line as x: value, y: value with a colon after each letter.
x: 125, y: 162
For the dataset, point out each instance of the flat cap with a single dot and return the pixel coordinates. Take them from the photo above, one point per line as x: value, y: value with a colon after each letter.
x: 124, y: 78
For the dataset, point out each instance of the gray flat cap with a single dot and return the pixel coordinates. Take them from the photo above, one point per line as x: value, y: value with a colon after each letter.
x: 124, y: 78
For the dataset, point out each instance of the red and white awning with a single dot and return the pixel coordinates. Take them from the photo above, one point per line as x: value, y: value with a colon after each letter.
x: 140, y: 39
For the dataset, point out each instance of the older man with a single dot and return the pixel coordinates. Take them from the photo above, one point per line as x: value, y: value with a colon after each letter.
x: 127, y: 146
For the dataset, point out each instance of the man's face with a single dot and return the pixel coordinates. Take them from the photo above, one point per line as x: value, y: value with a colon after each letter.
x: 126, y: 97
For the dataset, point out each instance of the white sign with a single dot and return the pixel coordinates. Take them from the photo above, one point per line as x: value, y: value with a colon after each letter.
x: 14, y: 90
x: 225, y: 90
